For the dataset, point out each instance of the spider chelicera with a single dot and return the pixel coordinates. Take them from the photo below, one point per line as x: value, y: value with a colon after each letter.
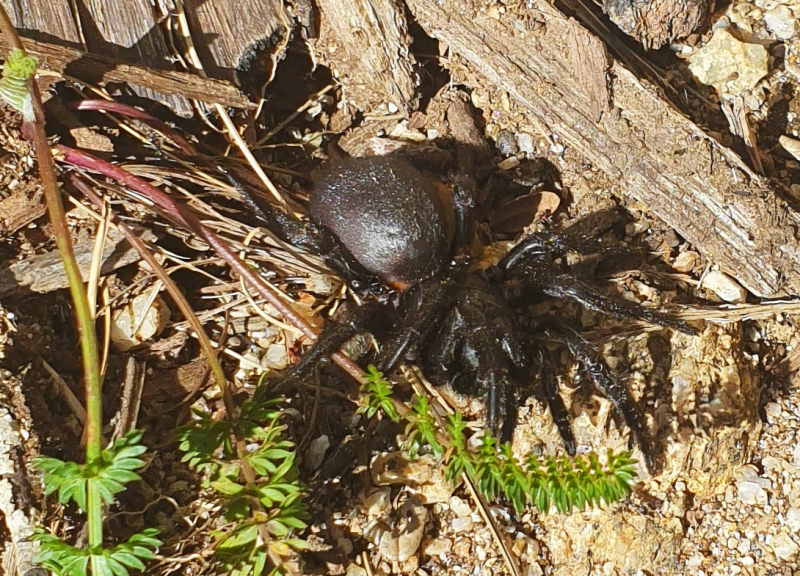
x: 380, y: 218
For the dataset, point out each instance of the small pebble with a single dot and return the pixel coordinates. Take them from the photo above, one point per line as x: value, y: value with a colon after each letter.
x: 744, y: 547
x: 437, y: 547
x: 784, y: 547
x: 462, y: 524
x: 534, y: 570
x: 793, y: 519
x: 355, y: 570
x: 378, y: 502
x: 315, y: 454
x: 751, y: 493
x: 459, y: 507
x: 525, y: 142
x: 781, y: 22
x: 773, y: 410
x: 725, y: 287
x: 462, y: 547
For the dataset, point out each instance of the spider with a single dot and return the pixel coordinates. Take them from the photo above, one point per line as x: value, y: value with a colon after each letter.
x: 380, y: 220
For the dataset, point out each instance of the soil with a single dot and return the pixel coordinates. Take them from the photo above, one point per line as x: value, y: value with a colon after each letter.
x: 723, y: 404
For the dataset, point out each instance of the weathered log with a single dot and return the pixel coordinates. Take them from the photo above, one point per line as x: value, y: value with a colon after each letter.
x: 696, y: 185
x: 226, y: 33
x: 366, y: 44
x: 98, y: 69
x: 45, y: 272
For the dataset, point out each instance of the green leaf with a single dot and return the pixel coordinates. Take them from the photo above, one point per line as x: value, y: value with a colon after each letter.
x: 15, y: 84
x: 240, y: 537
x: 227, y: 486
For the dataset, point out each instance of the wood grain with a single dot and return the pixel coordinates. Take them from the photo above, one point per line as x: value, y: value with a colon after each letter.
x: 98, y: 69
x: 367, y: 45
x: 696, y: 185
x: 129, y: 31
x: 226, y: 33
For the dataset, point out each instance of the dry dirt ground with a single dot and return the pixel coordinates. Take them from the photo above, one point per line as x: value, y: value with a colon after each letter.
x: 725, y: 404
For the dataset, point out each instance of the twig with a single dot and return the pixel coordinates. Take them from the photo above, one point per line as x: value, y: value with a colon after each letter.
x: 66, y: 392
x: 99, y: 69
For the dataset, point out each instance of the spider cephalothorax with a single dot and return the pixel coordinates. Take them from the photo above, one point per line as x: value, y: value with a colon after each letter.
x: 463, y: 327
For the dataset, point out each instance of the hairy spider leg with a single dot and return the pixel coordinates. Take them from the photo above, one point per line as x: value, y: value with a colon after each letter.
x: 529, y: 263
x: 528, y: 268
x: 552, y: 244
x: 477, y: 350
x: 585, y: 353
x: 553, y: 400
x: 566, y: 286
x: 334, y: 335
x: 420, y: 307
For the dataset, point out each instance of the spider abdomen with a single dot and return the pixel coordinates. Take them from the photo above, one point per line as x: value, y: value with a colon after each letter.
x: 388, y: 215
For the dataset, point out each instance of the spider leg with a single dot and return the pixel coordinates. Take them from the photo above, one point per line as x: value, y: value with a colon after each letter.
x: 441, y: 353
x: 529, y: 265
x: 335, y: 334
x: 601, y: 375
x: 563, y: 285
x: 487, y: 355
x: 558, y: 411
x: 539, y: 245
x: 526, y: 278
x: 421, y: 306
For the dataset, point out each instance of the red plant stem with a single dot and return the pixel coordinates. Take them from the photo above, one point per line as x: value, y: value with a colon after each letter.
x: 142, y: 116
x: 185, y: 218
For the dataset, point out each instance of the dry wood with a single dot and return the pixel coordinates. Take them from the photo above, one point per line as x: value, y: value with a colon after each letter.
x: 45, y: 272
x: 366, y: 44
x: 692, y: 182
x: 226, y: 32
x: 98, y: 69
x: 128, y: 31
x: 44, y: 20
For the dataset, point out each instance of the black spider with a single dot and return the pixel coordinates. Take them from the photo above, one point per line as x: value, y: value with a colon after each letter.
x: 381, y: 218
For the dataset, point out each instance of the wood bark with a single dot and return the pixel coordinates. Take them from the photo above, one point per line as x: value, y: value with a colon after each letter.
x: 129, y: 31
x: 696, y: 185
x: 98, y: 69
x: 45, y: 272
x: 47, y: 20
x: 366, y: 44
x: 226, y: 33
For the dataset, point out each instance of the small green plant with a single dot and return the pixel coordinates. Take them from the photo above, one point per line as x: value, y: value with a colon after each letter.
x: 564, y: 483
x: 377, y: 395
x: 106, y: 477
x: 17, y: 72
x: 262, y: 515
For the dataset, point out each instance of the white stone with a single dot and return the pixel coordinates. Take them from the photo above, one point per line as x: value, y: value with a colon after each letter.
x: 781, y: 22
x: 378, y: 502
x: 139, y: 321
x: 462, y: 524
x: 725, y: 287
x: 459, y: 507
x: 751, y: 493
x: 793, y: 519
x: 784, y: 547
x: 728, y: 64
